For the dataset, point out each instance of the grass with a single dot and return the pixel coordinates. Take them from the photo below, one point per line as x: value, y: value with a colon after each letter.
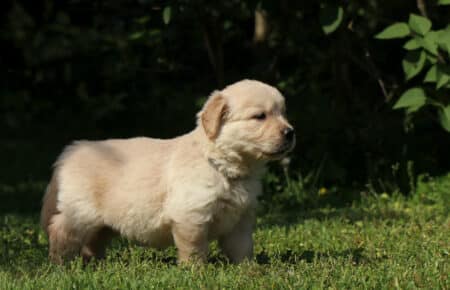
x: 378, y: 242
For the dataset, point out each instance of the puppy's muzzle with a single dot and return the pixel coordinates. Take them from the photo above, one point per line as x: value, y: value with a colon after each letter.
x: 287, y: 144
x: 289, y: 135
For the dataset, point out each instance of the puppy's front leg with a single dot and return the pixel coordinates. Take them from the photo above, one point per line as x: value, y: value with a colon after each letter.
x: 238, y: 244
x: 191, y: 242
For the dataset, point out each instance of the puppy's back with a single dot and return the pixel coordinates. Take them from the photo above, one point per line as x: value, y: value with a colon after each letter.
x: 87, y: 170
x: 101, y: 179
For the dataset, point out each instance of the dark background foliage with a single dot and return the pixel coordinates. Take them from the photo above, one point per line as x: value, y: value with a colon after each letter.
x: 78, y: 69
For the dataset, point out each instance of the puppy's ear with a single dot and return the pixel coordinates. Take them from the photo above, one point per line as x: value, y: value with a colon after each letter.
x: 213, y: 114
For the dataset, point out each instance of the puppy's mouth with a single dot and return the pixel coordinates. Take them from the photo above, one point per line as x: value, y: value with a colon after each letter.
x: 281, y: 151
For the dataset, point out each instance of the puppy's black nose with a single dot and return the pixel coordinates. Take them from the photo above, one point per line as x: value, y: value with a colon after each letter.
x: 289, y: 134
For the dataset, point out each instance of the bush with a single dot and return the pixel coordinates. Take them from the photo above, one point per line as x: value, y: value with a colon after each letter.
x: 101, y: 69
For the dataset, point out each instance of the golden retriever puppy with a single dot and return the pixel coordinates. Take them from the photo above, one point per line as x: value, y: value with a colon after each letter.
x: 185, y: 191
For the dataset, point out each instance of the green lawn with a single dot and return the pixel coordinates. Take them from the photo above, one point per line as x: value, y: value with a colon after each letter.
x: 378, y: 242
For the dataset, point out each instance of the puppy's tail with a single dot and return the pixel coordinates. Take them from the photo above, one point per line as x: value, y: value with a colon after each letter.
x: 49, y: 203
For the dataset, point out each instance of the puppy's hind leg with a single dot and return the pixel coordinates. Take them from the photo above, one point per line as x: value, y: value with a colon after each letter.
x: 64, y: 241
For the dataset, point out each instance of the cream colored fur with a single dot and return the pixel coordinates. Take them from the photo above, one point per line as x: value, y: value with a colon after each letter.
x: 188, y: 190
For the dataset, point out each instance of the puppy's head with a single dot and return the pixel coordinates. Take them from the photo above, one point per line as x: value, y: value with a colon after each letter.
x: 248, y: 118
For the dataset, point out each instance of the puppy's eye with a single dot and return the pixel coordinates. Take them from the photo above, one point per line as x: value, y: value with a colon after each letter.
x: 260, y: 116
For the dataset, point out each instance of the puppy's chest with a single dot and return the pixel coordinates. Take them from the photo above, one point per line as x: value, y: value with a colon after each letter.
x: 232, y: 203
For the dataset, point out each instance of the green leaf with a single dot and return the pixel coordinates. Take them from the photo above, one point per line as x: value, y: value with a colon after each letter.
x: 444, y: 117
x: 142, y: 20
x: 413, y: 109
x: 431, y: 58
x: 443, y: 39
x: 167, y: 13
x: 419, y: 24
x: 136, y: 35
x: 396, y: 30
x: 443, y: 79
x: 439, y: 74
x: 412, y: 44
x: 442, y: 75
x: 331, y: 17
x: 413, y: 63
x: 431, y: 76
x: 429, y: 43
x: 412, y: 98
x: 443, y: 2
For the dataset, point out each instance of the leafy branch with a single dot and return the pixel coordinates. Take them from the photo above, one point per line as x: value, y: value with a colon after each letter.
x: 426, y: 50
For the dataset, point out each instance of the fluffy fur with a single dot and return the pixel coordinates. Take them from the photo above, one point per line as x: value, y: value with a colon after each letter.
x: 188, y: 190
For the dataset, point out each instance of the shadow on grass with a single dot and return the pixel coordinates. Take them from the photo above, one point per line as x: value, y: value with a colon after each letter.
x: 355, y: 256
x: 20, y: 255
x: 348, y: 214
